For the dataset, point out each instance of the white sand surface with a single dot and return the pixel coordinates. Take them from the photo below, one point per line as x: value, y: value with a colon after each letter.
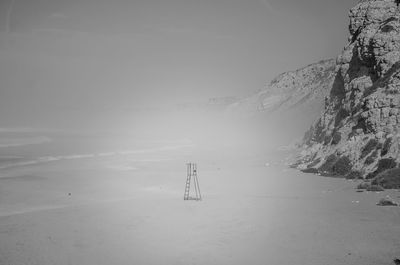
x: 130, y: 210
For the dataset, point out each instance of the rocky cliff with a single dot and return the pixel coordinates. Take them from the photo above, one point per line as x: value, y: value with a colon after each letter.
x: 357, y: 134
x: 308, y: 85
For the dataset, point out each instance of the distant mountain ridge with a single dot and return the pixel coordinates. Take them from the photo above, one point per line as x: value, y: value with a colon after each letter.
x: 308, y: 85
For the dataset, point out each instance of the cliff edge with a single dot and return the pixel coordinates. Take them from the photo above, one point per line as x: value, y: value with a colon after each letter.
x: 357, y: 134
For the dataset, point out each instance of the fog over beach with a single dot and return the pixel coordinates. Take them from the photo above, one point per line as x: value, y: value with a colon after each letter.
x: 103, y: 104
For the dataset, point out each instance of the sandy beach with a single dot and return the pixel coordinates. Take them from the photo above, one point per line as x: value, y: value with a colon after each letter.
x: 130, y: 210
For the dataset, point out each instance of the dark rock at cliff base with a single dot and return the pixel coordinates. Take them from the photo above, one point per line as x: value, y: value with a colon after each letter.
x: 386, y: 202
x: 375, y: 188
x: 388, y: 179
x: 361, y: 117
x: 363, y: 186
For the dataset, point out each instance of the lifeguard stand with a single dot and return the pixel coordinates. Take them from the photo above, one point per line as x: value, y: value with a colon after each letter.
x: 192, y: 177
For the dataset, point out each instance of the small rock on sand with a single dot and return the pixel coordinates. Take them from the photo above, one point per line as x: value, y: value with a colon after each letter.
x: 386, y: 202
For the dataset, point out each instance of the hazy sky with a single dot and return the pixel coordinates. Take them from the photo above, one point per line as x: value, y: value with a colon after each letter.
x: 61, y: 60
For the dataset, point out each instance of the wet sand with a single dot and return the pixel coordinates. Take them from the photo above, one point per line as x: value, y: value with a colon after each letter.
x: 130, y: 210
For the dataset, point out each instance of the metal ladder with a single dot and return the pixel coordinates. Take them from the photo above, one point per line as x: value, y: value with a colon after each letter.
x: 192, y: 172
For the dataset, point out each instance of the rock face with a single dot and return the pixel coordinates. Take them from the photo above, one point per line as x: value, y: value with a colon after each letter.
x: 308, y: 85
x: 357, y: 134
